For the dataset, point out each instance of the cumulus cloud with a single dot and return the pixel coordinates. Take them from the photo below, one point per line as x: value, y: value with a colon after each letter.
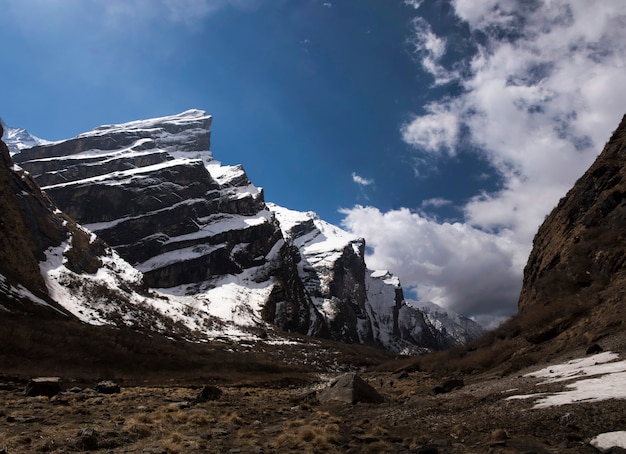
x: 360, y: 180
x: 453, y: 265
x: 435, y: 132
x: 539, y: 101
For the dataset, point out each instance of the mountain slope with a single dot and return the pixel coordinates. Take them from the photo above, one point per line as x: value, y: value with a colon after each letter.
x: 575, y: 279
x: 203, y: 237
x: 574, y: 282
x: 33, y: 233
x: 365, y: 306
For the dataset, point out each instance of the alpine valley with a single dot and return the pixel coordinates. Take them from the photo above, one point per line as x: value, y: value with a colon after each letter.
x: 151, y: 301
x: 139, y: 226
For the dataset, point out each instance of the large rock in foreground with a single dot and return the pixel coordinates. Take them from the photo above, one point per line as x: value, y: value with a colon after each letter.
x: 352, y: 389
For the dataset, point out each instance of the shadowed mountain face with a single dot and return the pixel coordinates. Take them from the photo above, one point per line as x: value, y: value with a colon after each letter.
x: 202, y: 235
x: 30, y: 226
x: 576, y: 274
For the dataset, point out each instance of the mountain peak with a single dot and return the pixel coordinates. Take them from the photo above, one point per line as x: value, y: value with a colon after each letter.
x: 17, y: 139
x: 189, y: 119
x: 204, y: 239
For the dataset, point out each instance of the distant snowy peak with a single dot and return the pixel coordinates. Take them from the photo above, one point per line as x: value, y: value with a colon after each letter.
x: 365, y: 306
x: 18, y: 139
x: 455, y: 324
x: 386, y: 277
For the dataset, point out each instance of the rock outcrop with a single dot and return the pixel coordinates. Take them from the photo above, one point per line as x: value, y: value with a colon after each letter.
x: 575, y: 279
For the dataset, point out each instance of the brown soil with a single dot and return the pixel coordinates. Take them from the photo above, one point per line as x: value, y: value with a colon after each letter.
x: 267, y: 413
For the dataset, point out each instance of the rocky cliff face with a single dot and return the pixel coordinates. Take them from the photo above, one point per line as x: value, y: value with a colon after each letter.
x: 204, y: 239
x: 32, y: 231
x: 360, y: 305
x: 575, y: 279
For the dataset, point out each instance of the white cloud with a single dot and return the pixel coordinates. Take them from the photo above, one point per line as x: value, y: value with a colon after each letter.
x: 429, y: 48
x: 122, y: 13
x: 453, y: 265
x: 360, y: 180
x: 414, y: 3
x: 436, y: 202
x: 436, y: 132
x: 540, y: 100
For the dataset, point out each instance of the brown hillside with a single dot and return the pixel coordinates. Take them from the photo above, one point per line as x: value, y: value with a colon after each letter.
x: 574, y: 282
x: 575, y: 278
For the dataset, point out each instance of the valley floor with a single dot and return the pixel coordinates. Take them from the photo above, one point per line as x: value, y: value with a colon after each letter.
x: 273, y: 417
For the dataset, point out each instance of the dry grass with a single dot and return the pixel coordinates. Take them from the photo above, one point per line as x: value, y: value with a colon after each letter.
x: 318, y: 433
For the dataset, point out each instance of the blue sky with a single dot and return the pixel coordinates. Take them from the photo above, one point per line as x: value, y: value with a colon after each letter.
x: 441, y: 131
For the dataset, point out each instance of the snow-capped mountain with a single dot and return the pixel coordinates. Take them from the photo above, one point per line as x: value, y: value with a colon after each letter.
x: 364, y: 305
x: 215, y: 256
x: 461, y: 328
x: 18, y: 139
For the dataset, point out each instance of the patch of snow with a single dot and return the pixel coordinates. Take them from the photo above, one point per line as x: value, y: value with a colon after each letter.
x: 599, y: 364
x: 608, y: 380
x: 20, y: 292
x: 178, y: 255
x: 609, y: 440
x: 235, y: 300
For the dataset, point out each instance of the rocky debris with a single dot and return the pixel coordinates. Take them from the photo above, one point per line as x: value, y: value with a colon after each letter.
x: 350, y: 388
x: 44, y: 386
x: 427, y: 449
x: 251, y: 416
x: 108, y: 387
x: 448, y: 386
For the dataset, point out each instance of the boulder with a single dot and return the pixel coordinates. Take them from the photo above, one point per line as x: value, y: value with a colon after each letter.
x: 87, y: 439
x: 108, y: 387
x: 350, y: 388
x: 44, y: 386
x: 207, y: 393
x: 594, y: 349
x: 448, y: 386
